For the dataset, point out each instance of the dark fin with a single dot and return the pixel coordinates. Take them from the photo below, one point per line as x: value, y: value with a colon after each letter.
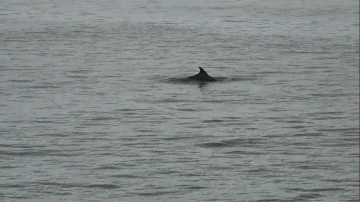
x: 202, y: 71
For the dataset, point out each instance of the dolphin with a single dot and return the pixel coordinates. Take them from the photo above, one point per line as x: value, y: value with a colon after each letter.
x: 202, y: 76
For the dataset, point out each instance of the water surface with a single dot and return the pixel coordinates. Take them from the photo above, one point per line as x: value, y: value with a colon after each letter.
x: 94, y: 106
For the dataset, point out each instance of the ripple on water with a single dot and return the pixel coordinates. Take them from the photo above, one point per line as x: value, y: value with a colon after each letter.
x: 243, y: 142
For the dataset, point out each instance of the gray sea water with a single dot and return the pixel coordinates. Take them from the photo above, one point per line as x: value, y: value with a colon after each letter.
x: 94, y: 105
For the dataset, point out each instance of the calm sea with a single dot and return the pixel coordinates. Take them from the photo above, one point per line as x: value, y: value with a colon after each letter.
x: 94, y: 105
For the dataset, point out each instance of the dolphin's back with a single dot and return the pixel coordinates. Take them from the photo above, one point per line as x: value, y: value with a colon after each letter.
x: 202, y: 76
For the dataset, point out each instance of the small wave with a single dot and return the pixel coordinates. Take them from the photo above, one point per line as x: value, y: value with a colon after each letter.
x: 232, y: 143
x: 159, y: 193
x: 196, y: 187
x: 243, y: 78
x: 214, y: 121
x: 102, y: 118
x: 44, y: 86
x: 20, y: 81
x: 308, y: 134
x: 305, y: 197
x: 47, y: 153
x: 102, y: 186
x: 125, y: 176
x: 241, y: 152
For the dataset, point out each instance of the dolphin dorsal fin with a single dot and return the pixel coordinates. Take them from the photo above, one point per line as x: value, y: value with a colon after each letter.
x: 202, y: 71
